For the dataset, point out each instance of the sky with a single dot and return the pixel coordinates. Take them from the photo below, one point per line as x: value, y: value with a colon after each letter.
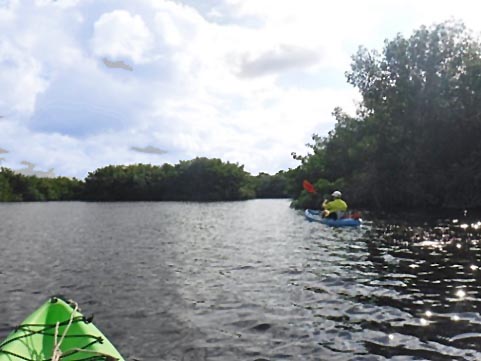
x: 89, y: 83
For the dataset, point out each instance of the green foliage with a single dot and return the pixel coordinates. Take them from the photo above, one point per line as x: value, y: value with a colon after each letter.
x: 307, y: 200
x: 125, y: 183
x: 6, y: 188
x: 17, y: 187
x: 271, y: 186
x: 200, y: 179
x: 203, y: 179
x: 415, y: 139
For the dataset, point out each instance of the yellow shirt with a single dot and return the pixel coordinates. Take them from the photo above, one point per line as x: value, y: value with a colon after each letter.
x: 336, y: 205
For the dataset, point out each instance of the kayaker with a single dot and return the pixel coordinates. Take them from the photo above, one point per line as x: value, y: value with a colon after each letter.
x: 335, y: 208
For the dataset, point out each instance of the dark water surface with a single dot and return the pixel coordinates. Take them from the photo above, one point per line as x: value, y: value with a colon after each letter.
x: 247, y: 280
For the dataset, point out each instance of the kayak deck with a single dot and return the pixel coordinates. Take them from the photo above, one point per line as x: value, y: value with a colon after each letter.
x: 35, y: 338
x: 315, y: 216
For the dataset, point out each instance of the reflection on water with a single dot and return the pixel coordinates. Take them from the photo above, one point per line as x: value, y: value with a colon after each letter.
x: 247, y: 280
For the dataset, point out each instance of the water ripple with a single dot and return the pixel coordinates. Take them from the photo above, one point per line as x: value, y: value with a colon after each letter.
x: 248, y: 280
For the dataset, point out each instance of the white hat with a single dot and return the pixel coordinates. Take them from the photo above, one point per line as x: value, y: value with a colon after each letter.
x: 336, y: 194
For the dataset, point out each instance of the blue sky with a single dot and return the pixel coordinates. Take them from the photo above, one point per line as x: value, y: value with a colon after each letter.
x: 88, y: 83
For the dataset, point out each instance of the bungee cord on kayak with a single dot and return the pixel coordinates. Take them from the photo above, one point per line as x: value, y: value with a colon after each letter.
x: 23, y: 343
x: 45, y: 327
x: 57, y: 352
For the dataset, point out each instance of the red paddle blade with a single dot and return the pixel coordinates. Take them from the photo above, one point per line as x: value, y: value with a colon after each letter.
x: 308, y: 186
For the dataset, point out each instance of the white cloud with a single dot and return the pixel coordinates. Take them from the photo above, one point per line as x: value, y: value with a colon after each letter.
x: 58, y: 3
x: 7, y: 10
x: 285, y: 57
x: 178, y: 25
x: 20, y: 80
x: 119, y: 34
x: 250, y: 88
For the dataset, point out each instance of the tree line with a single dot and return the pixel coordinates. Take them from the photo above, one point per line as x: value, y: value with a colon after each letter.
x: 415, y: 139
x: 200, y: 179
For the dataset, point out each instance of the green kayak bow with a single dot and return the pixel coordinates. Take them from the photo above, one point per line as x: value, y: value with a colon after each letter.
x: 57, y: 331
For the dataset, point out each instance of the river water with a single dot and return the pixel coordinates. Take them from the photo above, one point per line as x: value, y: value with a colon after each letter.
x: 247, y: 280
